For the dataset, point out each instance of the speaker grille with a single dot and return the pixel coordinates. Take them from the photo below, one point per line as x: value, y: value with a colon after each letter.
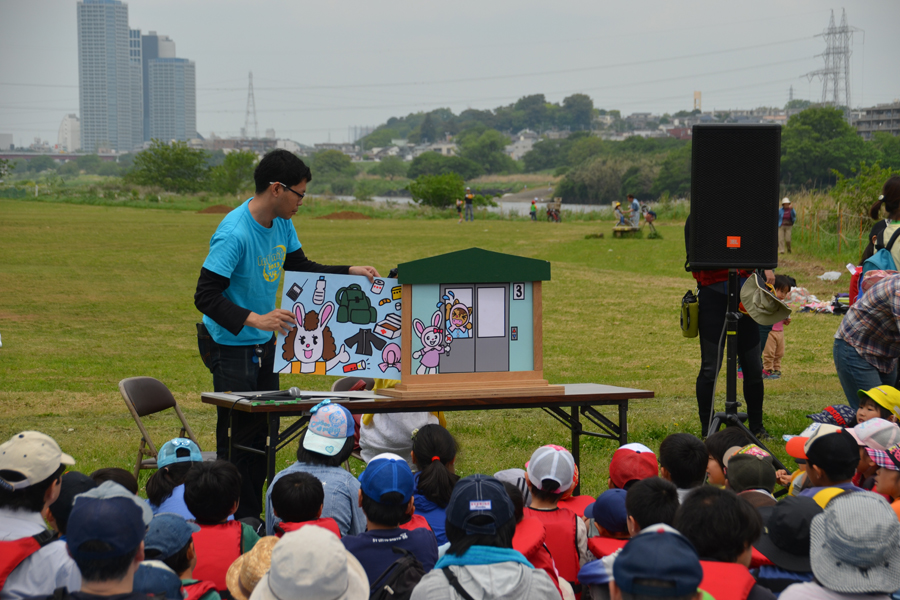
x: 735, y: 177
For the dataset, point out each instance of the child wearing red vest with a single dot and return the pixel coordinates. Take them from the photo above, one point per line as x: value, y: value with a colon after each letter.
x: 550, y: 472
x: 530, y: 537
x: 297, y: 499
x: 169, y: 540
x: 212, y: 492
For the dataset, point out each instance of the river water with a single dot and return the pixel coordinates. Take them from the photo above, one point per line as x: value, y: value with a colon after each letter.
x: 503, y: 207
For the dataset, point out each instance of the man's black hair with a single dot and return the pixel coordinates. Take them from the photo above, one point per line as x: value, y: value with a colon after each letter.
x: 515, y: 494
x: 718, y: 443
x: 30, y: 499
x: 281, y: 166
x: 720, y: 524
x: 103, y: 569
x: 685, y: 457
x: 650, y: 501
x: 211, y: 489
x: 460, y: 542
x: 547, y: 492
x: 118, y: 475
x: 390, y: 511
x: 178, y: 562
x: 297, y: 497
x: 314, y: 458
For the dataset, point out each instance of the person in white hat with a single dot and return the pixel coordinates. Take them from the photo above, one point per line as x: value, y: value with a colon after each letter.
x: 31, y: 468
x: 787, y: 216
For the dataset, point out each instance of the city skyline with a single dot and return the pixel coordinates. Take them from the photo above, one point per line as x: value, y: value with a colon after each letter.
x: 320, y: 70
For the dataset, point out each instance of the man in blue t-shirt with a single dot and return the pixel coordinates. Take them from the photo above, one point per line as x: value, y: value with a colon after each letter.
x: 635, y: 210
x: 236, y: 293
x: 386, y: 497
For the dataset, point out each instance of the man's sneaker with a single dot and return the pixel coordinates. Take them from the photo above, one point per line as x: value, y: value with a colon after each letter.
x: 771, y: 375
x: 762, y: 435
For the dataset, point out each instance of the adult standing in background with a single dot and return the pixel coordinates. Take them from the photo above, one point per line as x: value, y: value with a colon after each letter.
x: 787, y: 216
x: 884, y: 229
x: 635, y: 211
x: 236, y: 293
x: 470, y: 211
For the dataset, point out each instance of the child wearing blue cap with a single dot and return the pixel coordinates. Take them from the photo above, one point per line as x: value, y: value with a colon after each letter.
x: 165, y: 488
x: 386, y: 497
x: 169, y: 543
x: 325, y: 445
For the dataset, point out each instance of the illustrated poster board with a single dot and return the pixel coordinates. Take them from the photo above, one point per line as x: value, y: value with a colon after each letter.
x: 345, y: 326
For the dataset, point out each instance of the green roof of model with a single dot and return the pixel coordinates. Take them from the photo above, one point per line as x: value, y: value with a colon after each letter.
x: 473, y: 266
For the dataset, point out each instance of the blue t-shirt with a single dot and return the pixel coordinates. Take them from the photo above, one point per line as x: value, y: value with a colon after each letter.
x: 374, y: 549
x: 251, y: 256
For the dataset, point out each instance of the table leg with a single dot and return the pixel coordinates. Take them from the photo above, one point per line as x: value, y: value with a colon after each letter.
x: 272, y: 445
x: 623, y: 422
x: 576, y: 444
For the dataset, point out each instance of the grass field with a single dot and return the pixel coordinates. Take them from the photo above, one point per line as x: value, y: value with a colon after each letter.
x: 90, y: 295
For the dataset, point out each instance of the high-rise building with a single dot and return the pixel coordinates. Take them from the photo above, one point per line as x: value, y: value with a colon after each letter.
x: 105, y: 76
x: 69, y: 139
x: 136, y: 68
x: 173, y: 99
x: 153, y: 46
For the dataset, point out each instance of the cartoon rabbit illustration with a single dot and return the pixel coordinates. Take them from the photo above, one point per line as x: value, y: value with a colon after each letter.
x: 309, y: 348
x: 432, y: 344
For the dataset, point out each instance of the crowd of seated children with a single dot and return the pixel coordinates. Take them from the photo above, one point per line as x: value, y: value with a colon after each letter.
x: 297, y: 500
x: 434, y: 455
x: 750, y: 473
x: 165, y: 488
x: 683, y: 460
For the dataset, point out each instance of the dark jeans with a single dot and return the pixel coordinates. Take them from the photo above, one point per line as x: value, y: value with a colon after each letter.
x: 242, y: 369
x: 713, y: 306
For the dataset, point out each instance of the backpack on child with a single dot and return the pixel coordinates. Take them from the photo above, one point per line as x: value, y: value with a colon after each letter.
x: 398, y: 580
x: 882, y: 260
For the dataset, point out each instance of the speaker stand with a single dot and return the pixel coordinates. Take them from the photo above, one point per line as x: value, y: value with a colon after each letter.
x: 731, y: 417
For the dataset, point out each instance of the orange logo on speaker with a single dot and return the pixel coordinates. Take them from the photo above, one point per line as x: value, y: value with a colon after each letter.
x: 733, y: 241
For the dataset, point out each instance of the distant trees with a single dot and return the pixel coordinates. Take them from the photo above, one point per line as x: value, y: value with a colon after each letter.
x: 175, y: 167
x: 488, y: 151
x: 390, y: 167
x: 674, y: 174
x: 41, y: 163
x: 235, y: 173
x: 439, y: 191
x: 432, y: 163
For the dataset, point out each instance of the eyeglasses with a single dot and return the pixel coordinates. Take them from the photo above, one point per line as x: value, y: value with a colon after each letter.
x: 287, y: 188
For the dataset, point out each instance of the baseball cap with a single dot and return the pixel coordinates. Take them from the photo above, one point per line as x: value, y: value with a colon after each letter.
x: 796, y: 446
x: 312, y: 563
x: 111, y: 489
x: 785, y: 538
x: 554, y: 463
x: 761, y: 304
x: 116, y: 522
x: 609, y: 510
x: 855, y: 545
x: 658, y: 554
x: 168, y: 534
x: 33, y: 455
x: 518, y: 478
x: 877, y: 433
x: 479, y: 496
x: 73, y: 483
x: 883, y: 395
x: 168, y: 454
x: 884, y: 459
x: 328, y: 429
x: 384, y: 475
x: 631, y: 462
x: 837, y: 448
x: 838, y: 414
x: 749, y: 468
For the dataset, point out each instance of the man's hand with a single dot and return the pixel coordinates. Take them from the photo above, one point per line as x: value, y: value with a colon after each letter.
x: 369, y: 272
x: 787, y: 321
x: 770, y: 277
x: 783, y: 477
x: 279, y: 320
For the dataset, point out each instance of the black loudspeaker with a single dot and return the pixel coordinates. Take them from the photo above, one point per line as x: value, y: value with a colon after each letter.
x: 735, y: 177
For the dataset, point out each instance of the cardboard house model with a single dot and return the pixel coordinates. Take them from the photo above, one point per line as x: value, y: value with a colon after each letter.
x: 471, y: 323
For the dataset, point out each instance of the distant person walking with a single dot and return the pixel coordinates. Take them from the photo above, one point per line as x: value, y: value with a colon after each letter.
x: 533, y: 210
x: 787, y: 216
x: 470, y: 211
x: 635, y: 211
x: 459, y: 207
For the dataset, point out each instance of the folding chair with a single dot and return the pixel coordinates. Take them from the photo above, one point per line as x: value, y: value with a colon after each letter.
x: 145, y: 396
x: 345, y: 384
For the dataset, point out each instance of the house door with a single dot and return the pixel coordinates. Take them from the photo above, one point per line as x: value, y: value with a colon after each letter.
x: 461, y: 358
x: 491, y: 327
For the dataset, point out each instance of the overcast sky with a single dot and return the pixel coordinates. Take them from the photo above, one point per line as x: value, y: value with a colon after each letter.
x: 320, y: 67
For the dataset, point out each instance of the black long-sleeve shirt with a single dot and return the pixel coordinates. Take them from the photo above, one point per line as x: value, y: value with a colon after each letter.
x: 210, y: 300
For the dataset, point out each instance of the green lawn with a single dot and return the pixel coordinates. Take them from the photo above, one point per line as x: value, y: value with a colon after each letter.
x: 90, y: 295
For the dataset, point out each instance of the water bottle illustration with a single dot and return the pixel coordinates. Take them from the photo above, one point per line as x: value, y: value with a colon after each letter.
x: 319, y: 294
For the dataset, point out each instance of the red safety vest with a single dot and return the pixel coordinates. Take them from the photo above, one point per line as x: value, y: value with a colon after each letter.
x: 604, y: 546
x: 576, y: 504
x: 529, y: 540
x: 326, y: 523
x: 758, y: 559
x: 726, y: 581
x: 561, y: 539
x: 14, y: 552
x: 417, y: 522
x: 705, y: 278
x: 217, y: 546
x: 195, y: 591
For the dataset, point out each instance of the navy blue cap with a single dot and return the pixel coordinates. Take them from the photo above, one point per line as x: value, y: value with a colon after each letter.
x: 479, y: 496
x: 116, y: 522
x: 168, y: 534
x: 609, y: 511
x: 658, y: 561
x: 385, y: 475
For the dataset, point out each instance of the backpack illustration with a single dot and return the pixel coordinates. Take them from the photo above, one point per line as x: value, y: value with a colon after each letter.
x: 354, y: 306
